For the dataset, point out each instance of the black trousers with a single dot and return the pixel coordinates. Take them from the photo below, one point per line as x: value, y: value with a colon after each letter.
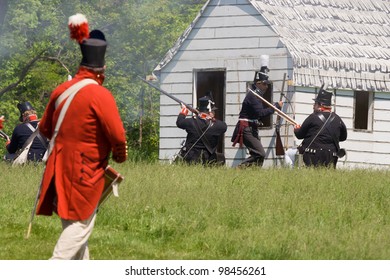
x: 321, y: 158
x: 202, y: 156
x: 253, y: 144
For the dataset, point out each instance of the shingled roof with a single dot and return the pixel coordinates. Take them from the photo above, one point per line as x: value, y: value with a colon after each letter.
x: 345, y: 43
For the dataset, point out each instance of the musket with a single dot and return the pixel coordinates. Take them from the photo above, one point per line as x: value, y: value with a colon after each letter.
x: 34, y: 208
x: 279, y: 146
x: 3, y: 135
x: 278, y: 111
x: 322, y: 87
x: 193, y: 110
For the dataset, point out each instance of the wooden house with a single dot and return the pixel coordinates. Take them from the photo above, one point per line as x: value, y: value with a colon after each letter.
x: 342, y: 43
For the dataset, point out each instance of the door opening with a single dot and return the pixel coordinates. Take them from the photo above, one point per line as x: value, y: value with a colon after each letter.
x: 214, y: 81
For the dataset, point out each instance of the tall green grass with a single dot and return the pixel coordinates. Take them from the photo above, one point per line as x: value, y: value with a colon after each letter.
x: 192, y: 212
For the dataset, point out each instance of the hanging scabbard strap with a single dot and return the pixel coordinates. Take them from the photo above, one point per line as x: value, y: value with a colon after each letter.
x: 201, y: 135
x: 204, y: 140
x: 44, y: 143
x: 335, y: 141
x: 325, y: 121
x: 30, y: 127
x: 330, y: 118
x: 30, y: 139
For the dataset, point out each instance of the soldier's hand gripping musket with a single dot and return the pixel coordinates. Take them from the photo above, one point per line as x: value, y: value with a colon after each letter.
x: 278, y: 111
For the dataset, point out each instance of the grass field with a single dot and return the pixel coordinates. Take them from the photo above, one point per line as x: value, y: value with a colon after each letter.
x: 169, y: 212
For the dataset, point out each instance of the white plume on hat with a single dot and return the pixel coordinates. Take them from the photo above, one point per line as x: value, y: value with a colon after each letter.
x: 77, y: 19
x: 262, y: 74
x: 78, y: 27
x: 264, y: 60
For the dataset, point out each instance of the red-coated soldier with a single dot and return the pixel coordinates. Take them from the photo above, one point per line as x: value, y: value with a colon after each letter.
x: 73, y: 180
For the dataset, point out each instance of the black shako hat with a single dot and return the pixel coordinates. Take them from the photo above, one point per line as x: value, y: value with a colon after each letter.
x: 262, y: 75
x: 93, y: 45
x: 206, y: 105
x: 324, y: 98
x: 93, y: 50
x: 23, y: 107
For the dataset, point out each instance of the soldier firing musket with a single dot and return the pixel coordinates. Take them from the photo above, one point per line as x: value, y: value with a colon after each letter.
x: 203, y: 130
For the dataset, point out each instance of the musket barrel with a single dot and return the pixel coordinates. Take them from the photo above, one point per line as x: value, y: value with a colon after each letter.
x: 170, y: 96
x: 3, y: 135
x: 279, y: 112
x: 35, y: 207
x: 278, y: 145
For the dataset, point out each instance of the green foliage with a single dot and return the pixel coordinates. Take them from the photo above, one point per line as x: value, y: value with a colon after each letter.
x: 139, y: 33
x: 194, y: 213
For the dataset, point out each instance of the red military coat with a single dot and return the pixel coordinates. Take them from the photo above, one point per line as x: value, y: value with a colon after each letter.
x: 91, y: 129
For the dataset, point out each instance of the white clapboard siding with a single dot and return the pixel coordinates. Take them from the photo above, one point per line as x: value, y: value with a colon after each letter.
x: 236, y: 68
x: 382, y: 115
x: 345, y: 112
x: 381, y: 126
x: 165, y: 100
x: 364, y: 158
x: 170, y: 110
x: 220, y: 54
x: 167, y: 121
x: 228, y: 37
x: 228, y: 21
x: 231, y: 35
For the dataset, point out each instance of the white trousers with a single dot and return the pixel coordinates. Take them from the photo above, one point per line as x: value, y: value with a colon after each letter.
x: 73, y: 241
x: 290, y: 157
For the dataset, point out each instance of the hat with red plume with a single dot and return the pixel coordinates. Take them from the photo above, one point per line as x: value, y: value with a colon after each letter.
x: 93, y: 44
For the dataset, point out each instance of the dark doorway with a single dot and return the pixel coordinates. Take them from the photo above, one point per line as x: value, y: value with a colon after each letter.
x: 214, y: 81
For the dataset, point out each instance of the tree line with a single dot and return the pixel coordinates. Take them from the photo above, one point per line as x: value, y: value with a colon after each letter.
x: 36, y: 55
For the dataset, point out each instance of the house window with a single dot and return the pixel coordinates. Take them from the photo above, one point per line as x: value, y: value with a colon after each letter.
x: 363, y: 110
